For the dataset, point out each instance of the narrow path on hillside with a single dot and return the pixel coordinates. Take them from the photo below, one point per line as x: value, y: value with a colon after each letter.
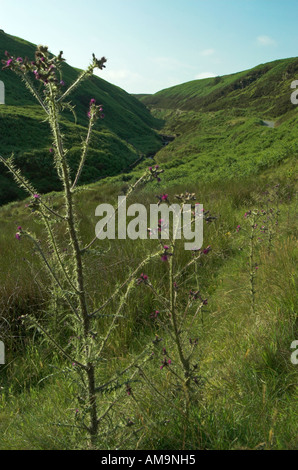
x: 269, y: 123
x: 166, y: 140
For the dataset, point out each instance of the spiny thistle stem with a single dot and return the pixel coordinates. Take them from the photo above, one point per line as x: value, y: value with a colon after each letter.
x: 56, y: 251
x: 132, y: 188
x: 53, y: 274
x: 78, y: 262
x: 132, y: 276
x: 84, y: 154
x: 174, y: 320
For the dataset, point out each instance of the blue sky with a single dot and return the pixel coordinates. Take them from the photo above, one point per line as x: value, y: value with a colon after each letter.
x: 154, y: 44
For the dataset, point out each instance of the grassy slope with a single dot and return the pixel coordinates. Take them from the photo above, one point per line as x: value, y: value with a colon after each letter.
x: 218, y: 123
x: 249, y: 392
x: 126, y: 132
x: 248, y: 397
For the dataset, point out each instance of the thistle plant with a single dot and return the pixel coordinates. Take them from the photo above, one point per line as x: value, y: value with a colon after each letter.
x: 68, y: 272
x: 90, y: 328
x: 178, y: 308
x: 260, y: 227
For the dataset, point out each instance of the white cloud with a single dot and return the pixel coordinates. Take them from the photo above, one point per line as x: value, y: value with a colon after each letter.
x: 169, y: 63
x: 124, y: 78
x: 202, y: 75
x: 120, y: 74
x: 208, y: 52
x: 266, y: 41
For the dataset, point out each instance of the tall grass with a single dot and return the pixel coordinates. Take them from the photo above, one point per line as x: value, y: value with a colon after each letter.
x: 248, y: 385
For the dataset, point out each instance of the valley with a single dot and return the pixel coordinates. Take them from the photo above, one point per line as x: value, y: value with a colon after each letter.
x: 134, y: 344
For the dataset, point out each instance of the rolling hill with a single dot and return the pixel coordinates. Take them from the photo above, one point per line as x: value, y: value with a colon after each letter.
x: 232, y: 141
x: 221, y: 124
x: 127, y: 131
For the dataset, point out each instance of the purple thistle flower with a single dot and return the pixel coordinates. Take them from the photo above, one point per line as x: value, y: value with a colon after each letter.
x: 165, y: 363
x: 154, y: 315
x: 166, y: 254
x: 142, y: 278
x: 207, y: 250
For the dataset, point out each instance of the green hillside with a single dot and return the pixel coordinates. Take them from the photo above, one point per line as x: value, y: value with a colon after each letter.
x: 220, y: 123
x: 126, y: 132
x: 193, y: 350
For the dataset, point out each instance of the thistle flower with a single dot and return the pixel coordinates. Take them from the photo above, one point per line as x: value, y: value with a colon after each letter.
x: 95, y: 111
x: 155, y: 172
x: 157, y: 340
x: 166, y: 362
x: 142, y: 278
x: 165, y: 255
x: 207, y: 250
x: 195, y: 295
x: 19, y: 233
x: 8, y: 63
x: 154, y: 315
x: 163, y: 198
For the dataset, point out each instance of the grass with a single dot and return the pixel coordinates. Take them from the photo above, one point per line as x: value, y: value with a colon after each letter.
x: 218, y: 124
x: 249, y: 385
x: 246, y: 396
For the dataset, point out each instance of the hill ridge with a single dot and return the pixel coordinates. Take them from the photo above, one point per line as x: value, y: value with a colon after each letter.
x: 127, y: 132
